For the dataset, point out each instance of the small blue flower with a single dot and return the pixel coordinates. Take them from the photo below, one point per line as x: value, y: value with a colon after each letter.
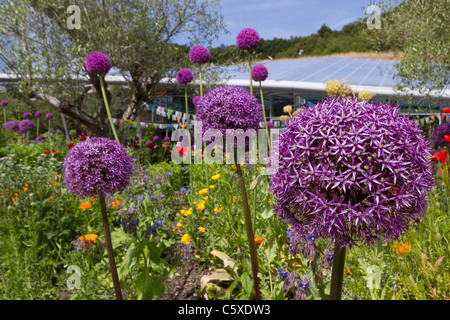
x: 140, y: 197
x: 131, y: 209
x: 161, y: 196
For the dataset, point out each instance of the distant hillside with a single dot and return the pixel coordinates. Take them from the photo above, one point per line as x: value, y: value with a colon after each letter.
x: 324, y: 42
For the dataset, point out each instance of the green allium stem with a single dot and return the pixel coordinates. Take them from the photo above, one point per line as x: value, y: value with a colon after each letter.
x: 105, y: 99
x: 189, y: 142
x: 248, y: 225
x: 337, y: 273
x: 112, y: 263
x: 37, y: 128
x: 200, y: 76
x: 264, y: 115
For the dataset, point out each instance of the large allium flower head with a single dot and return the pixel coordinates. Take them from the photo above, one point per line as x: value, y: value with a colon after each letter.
x: 12, y: 126
x: 96, y: 167
x: 26, y: 115
x: 49, y: 116
x: 199, y: 55
x: 38, y: 114
x: 3, y: 103
x: 247, y: 39
x: 184, y: 76
x: 26, y: 126
x: 229, y: 107
x: 259, y: 73
x: 352, y: 171
x: 439, y: 133
x: 98, y: 63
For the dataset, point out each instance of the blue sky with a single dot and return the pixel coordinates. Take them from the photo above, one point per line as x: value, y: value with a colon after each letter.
x: 286, y: 18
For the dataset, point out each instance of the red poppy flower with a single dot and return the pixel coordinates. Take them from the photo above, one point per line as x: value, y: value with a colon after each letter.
x: 446, y: 110
x: 54, y: 151
x: 70, y: 146
x: 151, y: 145
x: 447, y: 137
x: 440, y: 156
x: 83, y: 138
x: 47, y: 152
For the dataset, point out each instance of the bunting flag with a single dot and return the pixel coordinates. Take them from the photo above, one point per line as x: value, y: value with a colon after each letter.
x: 178, y: 114
x: 422, y: 122
x: 155, y: 125
x: 169, y: 113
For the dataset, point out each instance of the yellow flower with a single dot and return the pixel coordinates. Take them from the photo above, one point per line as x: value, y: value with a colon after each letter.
x: 365, y: 95
x: 186, y: 212
x: 186, y: 239
x: 201, y: 206
x: 215, y: 177
x: 201, y: 229
x: 85, y: 205
x: 179, y: 224
x: 234, y: 167
x: 205, y: 198
x: 203, y: 191
x: 211, y: 187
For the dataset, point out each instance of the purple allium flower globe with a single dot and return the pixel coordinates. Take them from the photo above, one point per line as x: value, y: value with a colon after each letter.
x: 26, y: 115
x: 3, y: 103
x: 49, y: 116
x: 199, y: 55
x: 229, y: 107
x: 439, y: 133
x: 352, y: 171
x: 98, y: 63
x: 38, y: 114
x: 96, y: 167
x: 184, y: 76
x: 259, y: 73
x: 155, y: 138
x: 166, y: 139
x: 12, y: 126
x: 26, y: 126
x: 247, y: 39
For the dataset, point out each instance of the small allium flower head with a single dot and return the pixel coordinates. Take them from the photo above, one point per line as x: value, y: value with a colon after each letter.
x: 3, y: 103
x: 155, y: 138
x: 352, y: 171
x: 333, y: 88
x: 199, y: 55
x: 229, y: 107
x: 49, y: 115
x: 259, y: 73
x: 247, y: 39
x: 365, y: 95
x: 196, y: 99
x: 26, y: 126
x: 97, y: 167
x: 26, y: 115
x: 166, y: 139
x: 12, y: 126
x: 98, y: 63
x: 38, y: 114
x: 184, y: 76
x: 439, y: 133
x: 269, y: 124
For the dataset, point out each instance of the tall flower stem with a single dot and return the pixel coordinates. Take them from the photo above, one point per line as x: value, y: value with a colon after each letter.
x: 250, y: 71
x: 108, y: 111
x: 4, y: 115
x: 112, y: 263
x: 189, y: 142
x: 337, y: 273
x: 200, y: 77
x: 264, y: 115
x: 248, y: 225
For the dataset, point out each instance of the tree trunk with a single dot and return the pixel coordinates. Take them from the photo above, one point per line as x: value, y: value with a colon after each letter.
x: 133, y: 106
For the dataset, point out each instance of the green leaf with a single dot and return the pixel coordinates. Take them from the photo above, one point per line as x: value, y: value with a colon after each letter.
x: 267, y: 213
x: 148, y: 287
x: 132, y: 254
